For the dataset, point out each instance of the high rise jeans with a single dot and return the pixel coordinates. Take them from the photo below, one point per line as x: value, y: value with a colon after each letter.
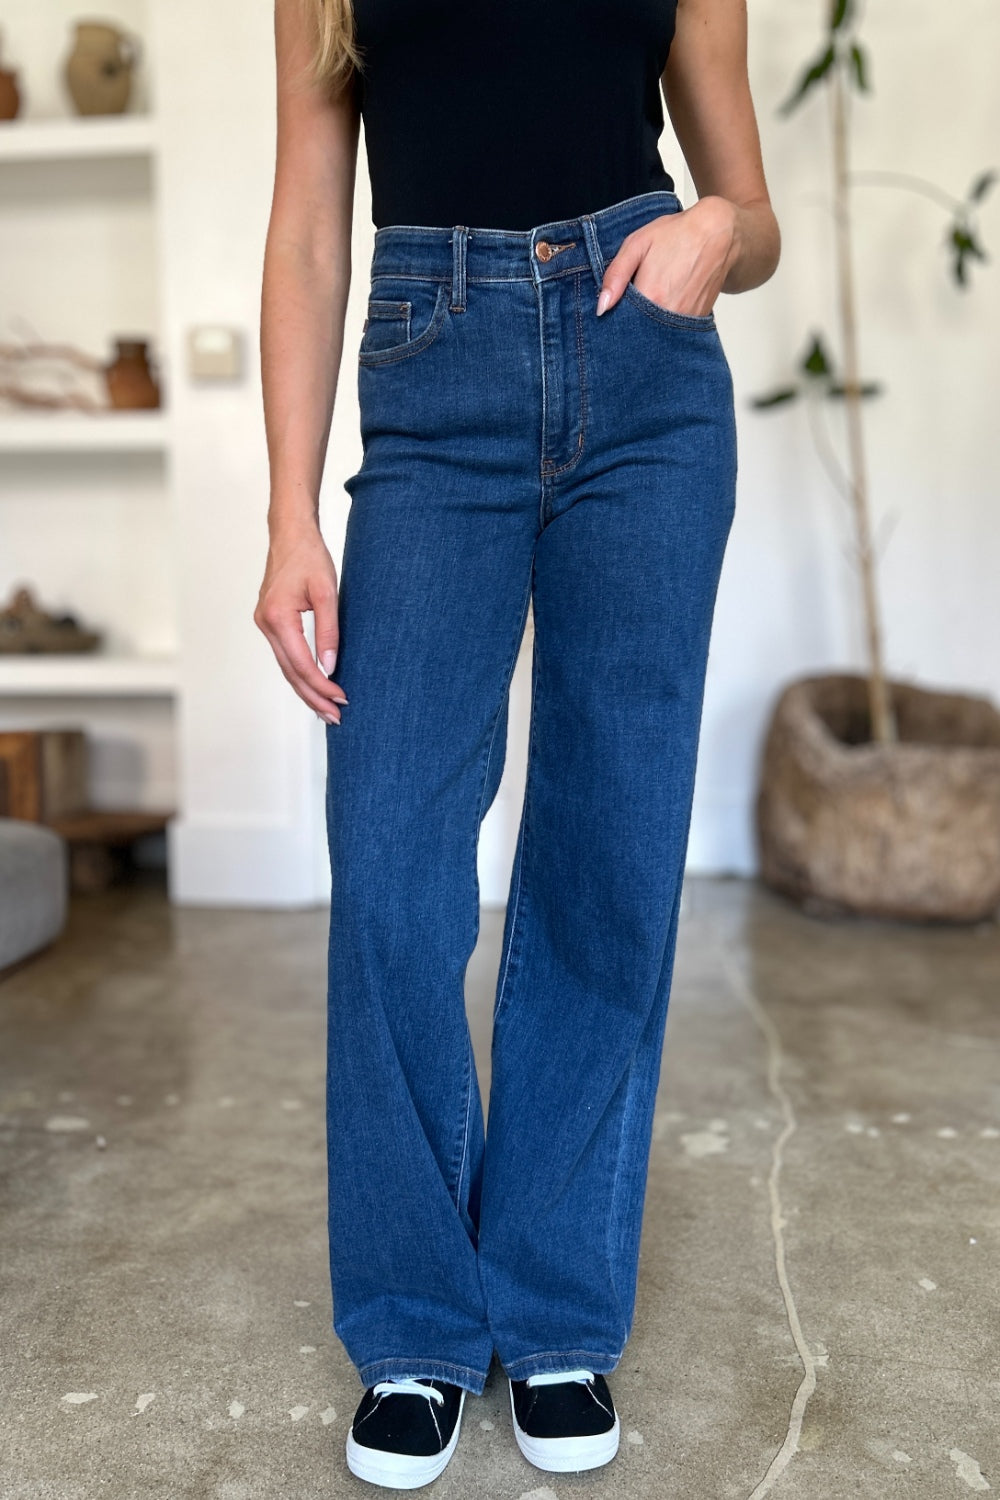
x: 516, y: 448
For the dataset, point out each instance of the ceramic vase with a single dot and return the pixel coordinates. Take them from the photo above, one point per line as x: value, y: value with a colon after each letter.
x: 131, y: 382
x: 98, y: 71
x: 10, y: 94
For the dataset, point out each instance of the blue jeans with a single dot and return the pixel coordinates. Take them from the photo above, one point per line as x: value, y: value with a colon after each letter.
x: 516, y: 447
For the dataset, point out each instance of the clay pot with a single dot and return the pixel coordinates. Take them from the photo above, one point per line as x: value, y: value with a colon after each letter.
x: 98, y: 70
x: 10, y: 94
x: 909, y: 830
x: 130, y: 381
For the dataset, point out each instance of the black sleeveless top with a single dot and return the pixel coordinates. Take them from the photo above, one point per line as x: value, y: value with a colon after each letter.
x: 509, y: 113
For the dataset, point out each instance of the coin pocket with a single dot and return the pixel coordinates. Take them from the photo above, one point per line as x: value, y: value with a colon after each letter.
x: 387, y: 323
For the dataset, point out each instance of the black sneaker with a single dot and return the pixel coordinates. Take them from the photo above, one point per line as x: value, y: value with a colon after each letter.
x: 404, y: 1432
x: 565, y: 1421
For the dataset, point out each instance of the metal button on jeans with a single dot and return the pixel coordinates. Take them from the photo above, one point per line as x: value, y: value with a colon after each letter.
x: 545, y: 249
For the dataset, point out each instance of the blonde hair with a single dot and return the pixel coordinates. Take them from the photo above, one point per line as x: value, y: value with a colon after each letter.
x: 335, y: 53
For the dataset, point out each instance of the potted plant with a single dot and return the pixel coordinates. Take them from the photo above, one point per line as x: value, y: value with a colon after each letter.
x: 875, y: 796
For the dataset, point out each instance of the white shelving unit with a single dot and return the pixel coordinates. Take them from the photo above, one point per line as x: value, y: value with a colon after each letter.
x: 86, y: 136
x: 84, y: 190
x: 85, y: 432
x: 89, y: 674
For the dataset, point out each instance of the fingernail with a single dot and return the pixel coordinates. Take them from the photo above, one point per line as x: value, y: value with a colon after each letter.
x: 602, y: 301
x: 341, y: 701
x: 328, y: 660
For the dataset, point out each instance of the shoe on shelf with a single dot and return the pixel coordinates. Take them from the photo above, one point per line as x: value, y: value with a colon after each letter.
x: 565, y: 1421
x: 404, y: 1432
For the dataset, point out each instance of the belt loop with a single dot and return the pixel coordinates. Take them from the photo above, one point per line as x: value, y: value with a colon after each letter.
x: 459, y: 237
x: 593, y: 247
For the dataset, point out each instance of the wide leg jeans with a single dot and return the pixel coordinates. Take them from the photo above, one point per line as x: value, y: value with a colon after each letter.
x: 516, y: 448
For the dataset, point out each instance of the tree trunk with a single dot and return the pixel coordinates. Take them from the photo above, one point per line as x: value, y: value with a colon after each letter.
x: 883, y: 725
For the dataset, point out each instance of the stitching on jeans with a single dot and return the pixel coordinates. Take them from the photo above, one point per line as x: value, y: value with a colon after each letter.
x: 468, y: 1114
x: 489, y: 280
x: 407, y: 351
x: 523, y: 835
x: 551, y: 473
x: 541, y: 356
x: 407, y: 276
x: 510, y: 673
x: 560, y: 275
x: 591, y: 1354
x: 595, y: 255
x: 613, y: 1210
x: 424, y: 1364
x: 665, y: 314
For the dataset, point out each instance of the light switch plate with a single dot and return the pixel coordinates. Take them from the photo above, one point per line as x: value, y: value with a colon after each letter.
x: 215, y: 353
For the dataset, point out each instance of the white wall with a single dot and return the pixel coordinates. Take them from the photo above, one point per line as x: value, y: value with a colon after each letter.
x: 252, y: 811
x: 787, y: 603
x: 251, y: 754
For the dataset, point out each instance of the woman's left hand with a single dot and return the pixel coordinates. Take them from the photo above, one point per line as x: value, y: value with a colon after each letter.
x: 679, y: 260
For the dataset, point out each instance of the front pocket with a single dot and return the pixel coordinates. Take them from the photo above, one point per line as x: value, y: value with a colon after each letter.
x: 404, y: 315
x: 665, y: 314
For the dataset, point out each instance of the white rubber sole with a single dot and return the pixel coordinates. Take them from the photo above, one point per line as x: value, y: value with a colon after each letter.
x: 569, y: 1454
x: 401, y: 1471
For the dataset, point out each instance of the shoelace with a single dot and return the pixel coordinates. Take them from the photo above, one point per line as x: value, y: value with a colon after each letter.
x: 560, y: 1375
x: 409, y: 1387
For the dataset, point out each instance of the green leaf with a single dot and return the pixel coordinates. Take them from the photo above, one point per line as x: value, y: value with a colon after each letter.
x: 966, y: 243
x: 817, y: 363
x: 842, y: 14
x: 965, y: 246
x: 859, y: 63
x: 812, y: 75
x: 982, y: 185
x: 779, y: 397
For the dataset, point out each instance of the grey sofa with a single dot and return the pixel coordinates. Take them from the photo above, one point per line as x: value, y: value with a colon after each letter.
x: 34, y: 885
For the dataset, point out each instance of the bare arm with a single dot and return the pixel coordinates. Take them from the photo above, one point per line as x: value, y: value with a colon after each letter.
x: 729, y: 240
x: 306, y: 279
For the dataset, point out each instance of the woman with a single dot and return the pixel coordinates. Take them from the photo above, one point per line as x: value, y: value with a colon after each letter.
x: 547, y: 417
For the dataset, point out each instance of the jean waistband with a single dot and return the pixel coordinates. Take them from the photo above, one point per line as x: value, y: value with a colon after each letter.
x: 460, y: 253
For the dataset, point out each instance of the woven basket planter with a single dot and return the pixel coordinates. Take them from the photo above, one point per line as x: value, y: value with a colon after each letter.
x: 909, y: 830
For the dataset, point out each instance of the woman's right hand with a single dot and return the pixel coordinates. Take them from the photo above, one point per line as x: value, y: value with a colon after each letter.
x: 300, y: 575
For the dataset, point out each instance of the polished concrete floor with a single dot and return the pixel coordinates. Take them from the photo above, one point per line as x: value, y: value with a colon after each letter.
x: 818, y: 1298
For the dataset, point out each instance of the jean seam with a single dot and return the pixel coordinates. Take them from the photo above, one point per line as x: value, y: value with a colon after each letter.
x: 613, y: 1196
x: 465, y: 1128
x: 508, y: 676
x: 371, y: 1366
x: 384, y: 275
x: 550, y: 473
x: 544, y: 390
x: 522, y: 841
x: 593, y: 1354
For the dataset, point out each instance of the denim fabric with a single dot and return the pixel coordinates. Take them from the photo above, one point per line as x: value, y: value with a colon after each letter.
x: 516, y: 447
